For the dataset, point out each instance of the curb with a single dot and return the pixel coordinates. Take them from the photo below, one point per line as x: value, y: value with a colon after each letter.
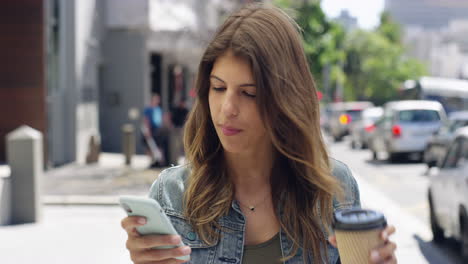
x: 80, y: 200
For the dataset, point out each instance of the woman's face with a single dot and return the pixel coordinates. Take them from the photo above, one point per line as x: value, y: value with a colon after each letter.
x: 233, y: 106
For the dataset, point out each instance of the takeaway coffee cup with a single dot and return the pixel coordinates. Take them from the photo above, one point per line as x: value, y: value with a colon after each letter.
x: 357, y: 233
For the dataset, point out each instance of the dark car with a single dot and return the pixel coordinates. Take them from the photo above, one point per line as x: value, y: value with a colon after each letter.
x: 438, y: 144
x: 448, y: 194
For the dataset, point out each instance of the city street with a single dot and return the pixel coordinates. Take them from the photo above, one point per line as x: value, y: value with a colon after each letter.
x: 404, y: 184
x: 81, y: 223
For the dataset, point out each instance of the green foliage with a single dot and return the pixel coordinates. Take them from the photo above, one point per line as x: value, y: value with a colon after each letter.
x: 376, y: 64
x: 323, y: 40
x: 370, y: 65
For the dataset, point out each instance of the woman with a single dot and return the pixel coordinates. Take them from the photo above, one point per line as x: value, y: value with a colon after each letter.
x: 259, y: 186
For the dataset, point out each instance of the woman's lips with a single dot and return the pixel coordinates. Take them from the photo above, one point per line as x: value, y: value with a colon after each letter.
x: 230, y: 131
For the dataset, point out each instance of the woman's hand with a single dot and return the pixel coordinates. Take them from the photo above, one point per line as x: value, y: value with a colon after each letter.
x: 381, y: 255
x: 140, y: 246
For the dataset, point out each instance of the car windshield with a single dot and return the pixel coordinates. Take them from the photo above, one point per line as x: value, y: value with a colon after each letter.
x: 457, y: 124
x: 355, y: 114
x: 420, y: 115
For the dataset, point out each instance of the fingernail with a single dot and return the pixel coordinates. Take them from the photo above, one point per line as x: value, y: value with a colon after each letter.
x: 375, y: 256
x: 141, y: 221
x: 175, y: 240
x: 186, y: 250
x: 384, y: 235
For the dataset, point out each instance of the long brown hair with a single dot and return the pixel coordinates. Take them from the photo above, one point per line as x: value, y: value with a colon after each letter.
x: 287, y: 101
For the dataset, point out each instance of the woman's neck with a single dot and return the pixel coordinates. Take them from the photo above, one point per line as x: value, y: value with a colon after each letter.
x: 250, y: 173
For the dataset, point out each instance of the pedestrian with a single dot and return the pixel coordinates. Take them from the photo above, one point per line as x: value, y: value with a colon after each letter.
x: 259, y: 185
x: 178, y: 115
x: 155, y: 132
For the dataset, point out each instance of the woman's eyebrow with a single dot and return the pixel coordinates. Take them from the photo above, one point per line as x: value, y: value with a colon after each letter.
x: 217, y: 78
x: 221, y: 80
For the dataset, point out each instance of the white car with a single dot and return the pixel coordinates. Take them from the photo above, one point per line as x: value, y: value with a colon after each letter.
x: 362, y: 130
x: 448, y: 194
x: 406, y: 127
x: 342, y: 115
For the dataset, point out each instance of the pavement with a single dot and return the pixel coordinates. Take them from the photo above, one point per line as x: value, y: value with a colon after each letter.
x: 80, y: 219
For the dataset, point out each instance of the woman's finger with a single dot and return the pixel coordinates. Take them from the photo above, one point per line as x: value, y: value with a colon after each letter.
x: 332, y: 240
x: 164, y: 254
x: 388, y: 231
x: 131, y: 222
x: 151, y: 241
x: 383, y: 253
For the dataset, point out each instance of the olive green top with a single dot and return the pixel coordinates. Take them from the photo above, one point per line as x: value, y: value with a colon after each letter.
x: 265, y: 253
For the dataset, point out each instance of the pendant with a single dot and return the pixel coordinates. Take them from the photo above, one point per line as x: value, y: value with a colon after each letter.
x: 252, y: 208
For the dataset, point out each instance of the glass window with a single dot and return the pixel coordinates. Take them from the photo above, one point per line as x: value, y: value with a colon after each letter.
x: 355, y: 114
x: 453, y: 155
x: 418, y: 116
x: 465, y: 149
x: 457, y: 124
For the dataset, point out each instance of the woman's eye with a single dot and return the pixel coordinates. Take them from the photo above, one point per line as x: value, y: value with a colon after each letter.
x: 249, y: 94
x: 219, y: 89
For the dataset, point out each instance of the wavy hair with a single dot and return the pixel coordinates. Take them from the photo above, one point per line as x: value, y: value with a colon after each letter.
x: 287, y: 101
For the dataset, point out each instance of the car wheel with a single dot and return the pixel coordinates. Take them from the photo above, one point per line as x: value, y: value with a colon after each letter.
x: 393, y: 157
x: 426, y: 157
x: 363, y: 145
x: 437, y: 231
x: 464, y: 237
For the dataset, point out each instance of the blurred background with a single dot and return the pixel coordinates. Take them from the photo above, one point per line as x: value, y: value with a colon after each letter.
x: 81, y: 81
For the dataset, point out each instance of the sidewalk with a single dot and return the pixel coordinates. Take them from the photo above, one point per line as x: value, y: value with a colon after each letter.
x: 99, y: 183
x: 81, y: 221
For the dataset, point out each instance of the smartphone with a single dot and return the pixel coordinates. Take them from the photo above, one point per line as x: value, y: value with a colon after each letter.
x: 157, y: 222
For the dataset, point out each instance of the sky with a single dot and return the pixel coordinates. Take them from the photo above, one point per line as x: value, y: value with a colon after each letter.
x: 366, y: 11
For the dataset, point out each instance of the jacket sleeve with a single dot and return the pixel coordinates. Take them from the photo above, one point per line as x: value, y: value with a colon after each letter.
x: 351, y: 198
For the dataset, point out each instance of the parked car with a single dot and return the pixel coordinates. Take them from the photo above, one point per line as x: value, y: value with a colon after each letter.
x: 448, y: 194
x: 362, y: 129
x: 342, y: 115
x: 325, y: 113
x: 406, y: 127
x: 439, y: 142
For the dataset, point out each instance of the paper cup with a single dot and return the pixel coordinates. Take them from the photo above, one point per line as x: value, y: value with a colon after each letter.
x: 357, y: 233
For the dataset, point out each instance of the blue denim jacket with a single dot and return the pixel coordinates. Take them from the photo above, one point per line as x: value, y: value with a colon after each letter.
x: 168, y: 190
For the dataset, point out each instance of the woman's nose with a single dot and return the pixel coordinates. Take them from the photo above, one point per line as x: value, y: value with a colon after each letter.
x: 230, y: 105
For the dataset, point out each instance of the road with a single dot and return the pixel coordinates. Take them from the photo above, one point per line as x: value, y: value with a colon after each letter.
x: 406, y: 184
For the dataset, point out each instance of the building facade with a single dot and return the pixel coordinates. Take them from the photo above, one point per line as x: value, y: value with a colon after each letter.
x: 79, y: 70
x: 22, y: 82
x: 429, y: 14
x: 434, y: 32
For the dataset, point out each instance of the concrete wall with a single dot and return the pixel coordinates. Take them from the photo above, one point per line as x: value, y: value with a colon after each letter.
x: 61, y: 81
x: 89, y: 33
x: 125, y: 85
x: 73, y: 78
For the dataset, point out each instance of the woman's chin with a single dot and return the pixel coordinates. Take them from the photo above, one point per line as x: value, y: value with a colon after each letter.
x: 232, y: 148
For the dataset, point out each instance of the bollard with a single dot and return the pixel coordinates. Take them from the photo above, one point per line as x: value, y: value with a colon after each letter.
x: 5, y: 196
x: 128, y: 142
x: 25, y: 157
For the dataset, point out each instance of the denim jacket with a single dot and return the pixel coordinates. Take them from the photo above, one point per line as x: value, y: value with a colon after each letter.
x: 169, y: 188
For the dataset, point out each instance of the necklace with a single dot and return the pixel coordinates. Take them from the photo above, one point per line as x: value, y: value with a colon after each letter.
x: 253, y: 207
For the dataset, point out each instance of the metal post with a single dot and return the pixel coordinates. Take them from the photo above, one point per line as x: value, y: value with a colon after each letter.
x: 128, y: 142
x: 25, y: 157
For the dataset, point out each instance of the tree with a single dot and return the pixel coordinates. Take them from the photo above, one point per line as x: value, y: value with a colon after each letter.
x: 323, y: 43
x: 376, y: 64
x: 371, y: 65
